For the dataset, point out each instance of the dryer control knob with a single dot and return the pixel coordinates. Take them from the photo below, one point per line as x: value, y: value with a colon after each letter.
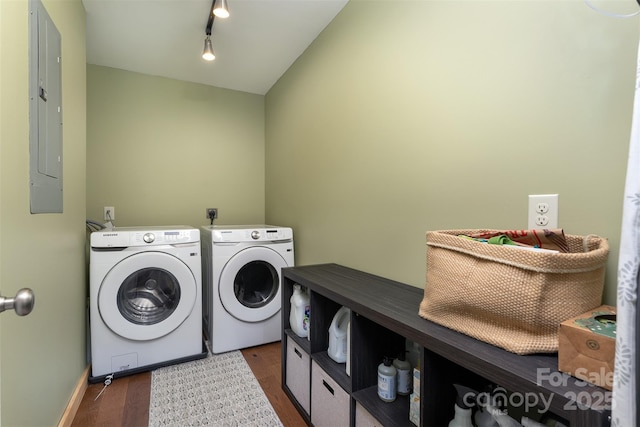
x: 149, y: 237
x: 255, y: 235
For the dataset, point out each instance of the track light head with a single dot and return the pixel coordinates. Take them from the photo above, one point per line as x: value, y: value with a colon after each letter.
x: 221, y: 9
x: 207, y: 53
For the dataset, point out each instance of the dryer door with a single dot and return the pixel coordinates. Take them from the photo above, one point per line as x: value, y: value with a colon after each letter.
x: 249, y: 285
x: 147, y: 295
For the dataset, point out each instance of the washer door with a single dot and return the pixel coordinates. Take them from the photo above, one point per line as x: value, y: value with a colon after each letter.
x: 249, y: 285
x: 147, y: 296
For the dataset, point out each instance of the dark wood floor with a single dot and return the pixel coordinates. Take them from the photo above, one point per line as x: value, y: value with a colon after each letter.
x: 126, y: 401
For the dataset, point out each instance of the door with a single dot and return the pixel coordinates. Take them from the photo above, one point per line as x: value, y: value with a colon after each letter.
x: 147, y: 295
x: 250, y: 283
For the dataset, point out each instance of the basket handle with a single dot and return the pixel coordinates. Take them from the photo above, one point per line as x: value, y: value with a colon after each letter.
x: 585, y: 241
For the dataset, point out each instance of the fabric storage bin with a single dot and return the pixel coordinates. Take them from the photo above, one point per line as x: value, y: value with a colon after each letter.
x: 329, y: 402
x: 298, y: 373
x: 512, y: 298
x: 364, y: 418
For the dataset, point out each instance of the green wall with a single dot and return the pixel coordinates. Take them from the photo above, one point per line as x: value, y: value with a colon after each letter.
x: 408, y: 116
x: 161, y: 151
x: 42, y: 355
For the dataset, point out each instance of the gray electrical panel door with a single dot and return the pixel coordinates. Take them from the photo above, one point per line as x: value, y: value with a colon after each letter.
x: 45, y: 111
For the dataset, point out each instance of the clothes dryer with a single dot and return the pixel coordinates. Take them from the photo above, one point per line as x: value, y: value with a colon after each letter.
x: 242, y: 279
x: 145, y: 299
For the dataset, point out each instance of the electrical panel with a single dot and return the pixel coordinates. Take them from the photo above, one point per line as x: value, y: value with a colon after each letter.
x: 45, y: 111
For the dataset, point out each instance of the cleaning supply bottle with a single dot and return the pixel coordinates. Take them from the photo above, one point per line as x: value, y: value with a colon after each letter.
x: 307, y: 314
x: 386, y: 380
x: 464, y: 402
x: 488, y: 414
x: 404, y: 376
x: 528, y: 422
x: 348, y: 363
x: 413, y: 353
x: 299, y: 315
x: 503, y: 419
x: 338, y: 335
x: 483, y: 416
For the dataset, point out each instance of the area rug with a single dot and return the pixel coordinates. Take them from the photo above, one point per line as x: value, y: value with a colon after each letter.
x: 219, y: 390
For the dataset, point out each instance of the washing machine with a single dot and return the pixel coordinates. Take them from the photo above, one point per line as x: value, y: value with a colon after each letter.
x: 242, y: 279
x: 145, y: 299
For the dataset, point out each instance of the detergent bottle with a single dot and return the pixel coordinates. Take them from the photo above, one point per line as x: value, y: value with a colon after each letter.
x: 338, y: 335
x: 299, y: 315
x: 387, y: 380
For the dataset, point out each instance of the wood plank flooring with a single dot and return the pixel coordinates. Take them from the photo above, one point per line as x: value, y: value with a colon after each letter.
x: 126, y: 401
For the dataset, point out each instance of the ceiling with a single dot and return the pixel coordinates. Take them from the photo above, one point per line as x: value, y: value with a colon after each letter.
x: 254, y: 46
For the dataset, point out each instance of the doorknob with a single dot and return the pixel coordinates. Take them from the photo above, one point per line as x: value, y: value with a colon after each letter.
x: 22, y: 303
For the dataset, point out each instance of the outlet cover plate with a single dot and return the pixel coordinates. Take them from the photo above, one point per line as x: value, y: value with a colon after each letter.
x: 543, y: 211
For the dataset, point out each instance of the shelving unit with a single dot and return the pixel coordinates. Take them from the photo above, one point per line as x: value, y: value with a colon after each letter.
x: 384, y: 314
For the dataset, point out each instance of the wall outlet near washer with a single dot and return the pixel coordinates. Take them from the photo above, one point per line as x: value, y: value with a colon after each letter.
x: 543, y: 211
x: 109, y: 213
x: 212, y: 213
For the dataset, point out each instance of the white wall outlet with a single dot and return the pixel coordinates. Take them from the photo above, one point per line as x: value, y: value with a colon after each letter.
x: 109, y: 213
x: 543, y: 211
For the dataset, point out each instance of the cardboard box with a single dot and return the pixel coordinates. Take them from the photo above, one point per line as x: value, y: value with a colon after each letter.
x: 414, y: 409
x: 587, y: 346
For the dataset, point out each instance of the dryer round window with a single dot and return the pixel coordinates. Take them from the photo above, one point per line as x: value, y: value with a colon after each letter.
x: 256, y: 284
x: 255, y: 294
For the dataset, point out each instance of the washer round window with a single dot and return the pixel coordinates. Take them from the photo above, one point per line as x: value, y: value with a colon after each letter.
x: 148, y: 296
x: 256, y: 284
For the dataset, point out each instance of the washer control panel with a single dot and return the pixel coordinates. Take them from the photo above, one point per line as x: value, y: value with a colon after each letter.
x: 257, y: 233
x: 124, y: 237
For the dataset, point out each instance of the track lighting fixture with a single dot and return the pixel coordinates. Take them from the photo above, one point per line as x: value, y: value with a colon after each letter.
x: 221, y: 9
x: 208, y: 54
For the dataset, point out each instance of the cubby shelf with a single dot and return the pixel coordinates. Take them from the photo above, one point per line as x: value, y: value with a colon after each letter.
x: 384, y: 313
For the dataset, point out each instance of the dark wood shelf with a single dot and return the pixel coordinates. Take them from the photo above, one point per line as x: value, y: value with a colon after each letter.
x: 334, y: 369
x: 302, y: 342
x: 395, y: 306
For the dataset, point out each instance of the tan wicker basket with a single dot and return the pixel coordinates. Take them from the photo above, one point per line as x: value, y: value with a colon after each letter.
x: 514, y: 299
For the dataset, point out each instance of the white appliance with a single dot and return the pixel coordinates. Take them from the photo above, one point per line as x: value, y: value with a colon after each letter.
x: 242, y: 281
x: 145, y: 299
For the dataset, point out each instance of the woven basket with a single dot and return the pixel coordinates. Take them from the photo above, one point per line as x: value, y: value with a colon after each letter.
x: 512, y: 298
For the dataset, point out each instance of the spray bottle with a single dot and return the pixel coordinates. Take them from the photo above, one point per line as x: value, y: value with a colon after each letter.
x: 483, y: 416
x: 465, y: 400
x: 490, y: 415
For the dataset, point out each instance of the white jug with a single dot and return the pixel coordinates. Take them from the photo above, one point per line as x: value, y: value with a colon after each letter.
x: 338, y: 335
